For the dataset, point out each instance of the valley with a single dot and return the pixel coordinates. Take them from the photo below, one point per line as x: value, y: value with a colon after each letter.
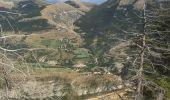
x: 84, y: 50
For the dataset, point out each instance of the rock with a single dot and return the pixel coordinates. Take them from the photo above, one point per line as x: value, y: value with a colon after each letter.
x: 97, y: 73
x: 79, y: 66
x: 119, y: 66
x: 52, y: 63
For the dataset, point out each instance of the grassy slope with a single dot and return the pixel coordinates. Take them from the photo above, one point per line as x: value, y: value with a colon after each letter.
x: 61, y: 14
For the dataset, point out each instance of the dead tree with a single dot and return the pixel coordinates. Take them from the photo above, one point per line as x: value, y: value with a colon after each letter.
x: 7, y: 67
x: 139, y: 73
x: 153, y: 42
x: 11, y: 61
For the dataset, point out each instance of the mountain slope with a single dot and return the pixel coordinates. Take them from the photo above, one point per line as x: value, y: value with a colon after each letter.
x: 49, y: 27
x: 108, y: 29
x: 107, y: 14
x: 61, y: 15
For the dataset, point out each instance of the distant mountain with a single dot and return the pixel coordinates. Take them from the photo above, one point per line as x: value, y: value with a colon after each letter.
x: 40, y: 2
x: 90, y: 1
x: 94, y: 1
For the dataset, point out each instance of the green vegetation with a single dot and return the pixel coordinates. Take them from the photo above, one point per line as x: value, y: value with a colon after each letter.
x: 165, y: 83
x: 81, y: 53
x: 51, y: 43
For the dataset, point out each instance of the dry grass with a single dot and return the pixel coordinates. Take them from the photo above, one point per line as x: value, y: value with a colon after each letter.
x: 6, y: 4
x: 111, y: 96
x: 52, y: 34
x: 49, y: 74
x: 45, y: 80
x: 93, y: 81
x: 138, y: 4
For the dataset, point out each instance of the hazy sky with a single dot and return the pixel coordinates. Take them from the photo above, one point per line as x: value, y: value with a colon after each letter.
x: 93, y: 1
